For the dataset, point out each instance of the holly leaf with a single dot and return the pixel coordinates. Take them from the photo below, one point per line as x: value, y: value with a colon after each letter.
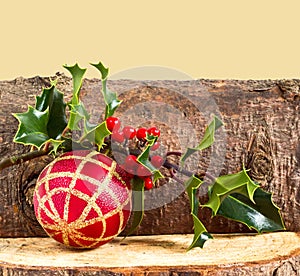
x: 77, y: 110
x: 138, y: 185
x: 228, y: 184
x: 96, y: 133
x: 55, y: 145
x: 102, y: 69
x: 143, y: 159
x: 262, y: 214
x: 200, y: 233
x: 45, y: 123
x: 137, y: 203
x: 52, y: 99
x: 207, y: 140
x: 110, y: 97
x: 77, y: 113
x: 77, y: 77
x: 32, y: 127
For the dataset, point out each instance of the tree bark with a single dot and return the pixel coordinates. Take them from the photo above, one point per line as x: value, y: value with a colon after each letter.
x: 266, y: 254
x: 261, y: 131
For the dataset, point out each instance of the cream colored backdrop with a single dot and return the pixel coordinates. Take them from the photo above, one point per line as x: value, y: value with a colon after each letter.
x: 205, y: 39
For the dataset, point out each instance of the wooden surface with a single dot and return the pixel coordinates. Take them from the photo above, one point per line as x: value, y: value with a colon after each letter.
x: 261, y: 126
x: 267, y: 254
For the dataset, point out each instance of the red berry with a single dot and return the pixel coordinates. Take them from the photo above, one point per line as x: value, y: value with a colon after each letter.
x: 154, y: 131
x: 131, y: 164
x: 142, y: 171
x: 157, y: 161
x: 148, y: 183
x: 118, y: 137
x: 129, y: 132
x: 113, y: 124
x: 155, y: 146
x: 141, y: 133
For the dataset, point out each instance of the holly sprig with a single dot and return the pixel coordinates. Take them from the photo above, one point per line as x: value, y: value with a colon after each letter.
x: 43, y: 124
x: 53, y: 126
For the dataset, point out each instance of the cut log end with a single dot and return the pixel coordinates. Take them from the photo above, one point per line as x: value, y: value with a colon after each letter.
x: 234, y: 254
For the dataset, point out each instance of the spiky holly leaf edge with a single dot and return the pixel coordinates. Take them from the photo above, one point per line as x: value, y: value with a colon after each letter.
x: 46, y: 124
x: 234, y: 196
x: 33, y: 129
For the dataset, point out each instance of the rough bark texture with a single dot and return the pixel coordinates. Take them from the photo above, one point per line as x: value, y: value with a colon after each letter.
x: 261, y: 130
x: 267, y: 254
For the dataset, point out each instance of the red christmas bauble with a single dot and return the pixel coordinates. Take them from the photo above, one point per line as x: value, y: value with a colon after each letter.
x: 83, y: 199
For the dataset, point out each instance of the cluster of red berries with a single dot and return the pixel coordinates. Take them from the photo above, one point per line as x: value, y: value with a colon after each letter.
x: 131, y: 165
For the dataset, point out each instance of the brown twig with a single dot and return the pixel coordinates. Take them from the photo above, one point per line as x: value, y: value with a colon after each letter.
x: 172, y: 172
x: 177, y: 168
x: 176, y: 153
x: 18, y: 159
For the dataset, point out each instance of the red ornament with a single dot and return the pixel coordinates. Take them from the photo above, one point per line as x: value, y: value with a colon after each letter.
x: 83, y: 199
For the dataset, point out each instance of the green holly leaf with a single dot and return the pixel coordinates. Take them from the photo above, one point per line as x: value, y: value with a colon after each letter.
x: 77, y: 113
x: 45, y: 123
x: 77, y: 77
x: 110, y: 97
x: 138, y: 185
x: 262, y: 214
x: 96, y: 133
x: 200, y: 233
x: 137, y: 203
x: 56, y: 144
x: 207, y: 140
x: 32, y: 127
x: 143, y: 159
x: 52, y: 99
x: 77, y: 110
x: 228, y: 184
x: 102, y: 69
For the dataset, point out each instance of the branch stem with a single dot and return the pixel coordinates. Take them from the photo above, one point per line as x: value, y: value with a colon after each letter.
x: 175, y: 177
x: 185, y: 172
x: 169, y: 165
x: 18, y: 159
x: 176, y: 153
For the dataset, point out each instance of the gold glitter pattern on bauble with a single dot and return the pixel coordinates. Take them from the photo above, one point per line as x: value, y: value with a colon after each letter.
x: 61, y: 225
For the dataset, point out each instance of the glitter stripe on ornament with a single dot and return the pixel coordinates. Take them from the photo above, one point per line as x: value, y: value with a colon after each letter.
x: 70, y: 230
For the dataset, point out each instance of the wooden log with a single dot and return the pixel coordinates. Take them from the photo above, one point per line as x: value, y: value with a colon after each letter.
x: 266, y: 254
x: 261, y: 130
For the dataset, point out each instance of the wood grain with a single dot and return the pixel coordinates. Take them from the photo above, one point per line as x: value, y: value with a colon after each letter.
x: 261, y: 130
x: 266, y: 254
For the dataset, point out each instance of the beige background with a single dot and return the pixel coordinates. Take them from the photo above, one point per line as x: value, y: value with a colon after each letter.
x: 204, y: 39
